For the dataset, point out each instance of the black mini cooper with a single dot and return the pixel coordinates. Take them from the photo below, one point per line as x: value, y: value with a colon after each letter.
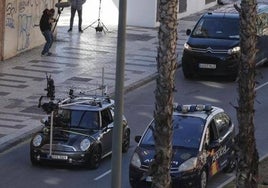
x: 78, y: 132
x: 203, y: 145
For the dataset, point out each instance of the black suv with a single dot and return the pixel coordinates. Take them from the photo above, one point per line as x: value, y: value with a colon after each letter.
x: 203, y: 145
x: 213, y: 45
x: 77, y: 131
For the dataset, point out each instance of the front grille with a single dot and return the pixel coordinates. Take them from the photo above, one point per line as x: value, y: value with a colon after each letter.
x: 146, y: 168
x: 210, y: 50
x: 59, y: 147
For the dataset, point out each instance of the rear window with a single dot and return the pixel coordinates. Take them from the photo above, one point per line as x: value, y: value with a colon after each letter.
x: 217, y: 27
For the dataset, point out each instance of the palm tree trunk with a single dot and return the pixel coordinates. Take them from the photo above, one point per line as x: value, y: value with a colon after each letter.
x: 247, y: 171
x: 166, y: 66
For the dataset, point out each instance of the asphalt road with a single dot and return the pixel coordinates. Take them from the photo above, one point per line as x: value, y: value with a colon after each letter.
x: 16, y: 170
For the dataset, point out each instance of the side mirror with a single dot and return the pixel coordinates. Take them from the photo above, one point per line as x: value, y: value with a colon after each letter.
x: 188, y: 32
x: 110, y: 126
x: 137, y: 139
x: 44, y: 120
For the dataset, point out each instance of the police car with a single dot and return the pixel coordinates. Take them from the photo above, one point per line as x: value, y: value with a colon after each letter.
x: 203, y: 145
x: 77, y: 131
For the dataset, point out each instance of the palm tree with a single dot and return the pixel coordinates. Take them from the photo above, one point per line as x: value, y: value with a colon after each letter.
x: 166, y: 66
x: 247, y: 169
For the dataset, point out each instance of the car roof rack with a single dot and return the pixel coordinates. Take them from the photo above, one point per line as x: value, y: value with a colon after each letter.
x: 93, y: 100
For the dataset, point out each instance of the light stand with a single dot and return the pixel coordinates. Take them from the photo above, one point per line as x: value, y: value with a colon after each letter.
x: 100, y: 27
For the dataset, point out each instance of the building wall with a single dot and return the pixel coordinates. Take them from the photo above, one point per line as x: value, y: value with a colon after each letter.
x: 21, y: 25
x: 19, y: 19
x: 2, y: 8
x: 144, y: 13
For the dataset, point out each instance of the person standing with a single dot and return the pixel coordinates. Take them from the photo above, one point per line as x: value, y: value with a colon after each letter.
x: 45, y: 27
x: 76, y: 5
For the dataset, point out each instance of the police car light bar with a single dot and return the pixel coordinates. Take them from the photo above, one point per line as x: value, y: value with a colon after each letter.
x: 193, y: 108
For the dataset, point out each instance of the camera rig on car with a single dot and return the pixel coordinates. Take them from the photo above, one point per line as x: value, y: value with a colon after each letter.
x: 81, y: 98
x: 51, y: 106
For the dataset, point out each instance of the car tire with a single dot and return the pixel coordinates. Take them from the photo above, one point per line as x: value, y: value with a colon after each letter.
x: 203, y: 179
x: 95, y: 158
x: 134, y: 185
x: 233, y: 77
x: 33, y: 160
x: 230, y: 166
x: 186, y: 71
x: 126, y: 141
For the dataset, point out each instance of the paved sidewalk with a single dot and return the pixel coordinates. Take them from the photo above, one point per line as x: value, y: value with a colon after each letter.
x: 77, y: 62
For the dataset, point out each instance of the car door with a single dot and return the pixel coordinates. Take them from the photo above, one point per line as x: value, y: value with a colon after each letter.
x: 219, y: 142
x: 225, y: 132
x: 107, y: 130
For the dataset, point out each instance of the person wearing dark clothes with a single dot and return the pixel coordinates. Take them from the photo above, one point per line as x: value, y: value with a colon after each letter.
x: 76, y: 5
x: 45, y: 27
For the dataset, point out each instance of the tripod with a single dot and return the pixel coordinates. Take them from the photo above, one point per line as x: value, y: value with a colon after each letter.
x: 100, y: 27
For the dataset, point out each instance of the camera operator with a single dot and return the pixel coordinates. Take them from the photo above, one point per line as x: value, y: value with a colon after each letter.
x: 45, y: 27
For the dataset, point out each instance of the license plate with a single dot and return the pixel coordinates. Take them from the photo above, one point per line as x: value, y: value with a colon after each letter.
x: 149, y: 178
x: 59, y: 157
x: 207, y: 66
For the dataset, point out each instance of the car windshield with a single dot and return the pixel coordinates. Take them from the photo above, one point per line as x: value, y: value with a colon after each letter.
x: 218, y: 28
x: 79, y: 118
x: 187, y: 132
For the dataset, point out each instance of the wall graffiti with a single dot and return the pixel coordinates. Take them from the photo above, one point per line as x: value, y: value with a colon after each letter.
x: 10, y: 12
x: 25, y: 22
x: 22, y: 19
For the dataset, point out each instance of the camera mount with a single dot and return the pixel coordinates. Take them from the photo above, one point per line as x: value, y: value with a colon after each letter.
x: 100, y: 26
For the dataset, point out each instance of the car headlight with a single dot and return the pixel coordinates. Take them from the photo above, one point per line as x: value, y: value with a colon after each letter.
x: 135, y: 161
x: 84, y: 145
x: 234, y: 50
x: 187, y: 47
x: 37, y: 140
x: 190, y: 164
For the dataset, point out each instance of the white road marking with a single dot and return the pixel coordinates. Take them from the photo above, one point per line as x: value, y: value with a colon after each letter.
x: 260, y: 86
x: 102, y: 175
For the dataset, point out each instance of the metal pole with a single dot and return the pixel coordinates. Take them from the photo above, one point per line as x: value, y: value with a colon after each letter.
x: 102, y: 82
x: 119, y: 100
x: 51, y: 134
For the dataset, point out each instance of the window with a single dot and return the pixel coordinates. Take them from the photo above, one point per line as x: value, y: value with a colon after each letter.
x: 218, y: 28
x: 106, y: 117
x: 222, y: 123
x: 81, y: 119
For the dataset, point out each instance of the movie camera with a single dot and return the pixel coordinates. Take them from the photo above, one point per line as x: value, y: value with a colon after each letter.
x: 53, y: 105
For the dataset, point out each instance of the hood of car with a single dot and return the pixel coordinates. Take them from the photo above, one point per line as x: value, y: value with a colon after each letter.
x: 180, y: 155
x: 71, y: 137
x: 212, y: 43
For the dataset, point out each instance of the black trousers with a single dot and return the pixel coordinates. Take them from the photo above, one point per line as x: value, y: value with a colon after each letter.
x: 73, y: 11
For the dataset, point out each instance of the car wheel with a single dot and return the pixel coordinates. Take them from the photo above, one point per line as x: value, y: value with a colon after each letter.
x: 230, y: 166
x: 233, y: 77
x: 95, y: 158
x: 186, y: 71
x: 33, y: 160
x: 134, y: 185
x: 203, y: 179
x: 126, y: 141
